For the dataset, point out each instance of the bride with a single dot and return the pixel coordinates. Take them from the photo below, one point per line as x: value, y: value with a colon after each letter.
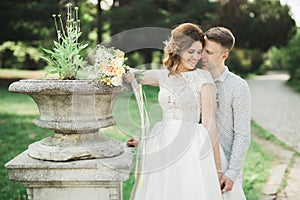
x: 182, y: 156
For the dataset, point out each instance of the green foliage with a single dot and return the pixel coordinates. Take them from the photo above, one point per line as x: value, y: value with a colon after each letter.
x: 153, y: 13
x: 17, y: 114
x: 26, y: 20
x: 65, y: 59
x: 259, y: 24
x: 256, y: 172
x: 273, y: 59
x: 254, y: 24
x: 292, y: 57
x: 287, y: 58
x: 294, y: 84
x: 19, y: 55
x: 132, y: 14
x: 88, y: 25
x: 264, y: 134
x: 202, y: 12
x: 243, y: 61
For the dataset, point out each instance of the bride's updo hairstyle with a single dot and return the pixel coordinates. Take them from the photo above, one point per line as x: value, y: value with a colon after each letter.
x: 182, y: 37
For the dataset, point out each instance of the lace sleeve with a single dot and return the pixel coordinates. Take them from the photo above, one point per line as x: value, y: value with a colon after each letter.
x: 202, y: 77
x: 148, y: 77
x: 206, y: 77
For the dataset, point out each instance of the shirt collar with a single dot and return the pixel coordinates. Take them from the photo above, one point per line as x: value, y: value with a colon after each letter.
x: 223, y: 76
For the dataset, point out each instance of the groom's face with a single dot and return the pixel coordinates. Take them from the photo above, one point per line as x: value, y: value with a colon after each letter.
x: 213, y: 55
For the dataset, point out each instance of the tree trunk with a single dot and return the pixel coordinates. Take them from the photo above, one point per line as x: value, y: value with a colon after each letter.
x: 147, y: 53
x: 99, y: 22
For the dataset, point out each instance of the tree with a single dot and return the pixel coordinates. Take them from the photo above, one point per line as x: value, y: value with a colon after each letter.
x: 130, y: 14
x: 23, y: 26
x: 257, y: 25
x: 292, y: 57
x: 260, y: 24
x: 31, y: 18
x: 28, y: 25
x: 99, y: 22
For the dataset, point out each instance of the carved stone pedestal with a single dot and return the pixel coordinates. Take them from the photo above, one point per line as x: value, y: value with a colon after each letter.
x: 94, y: 179
x: 75, y: 110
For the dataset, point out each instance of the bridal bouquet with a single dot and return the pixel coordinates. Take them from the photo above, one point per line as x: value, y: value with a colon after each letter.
x: 109, y: 66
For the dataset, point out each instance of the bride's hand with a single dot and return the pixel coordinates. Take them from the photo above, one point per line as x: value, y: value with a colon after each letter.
x: 129, y: 76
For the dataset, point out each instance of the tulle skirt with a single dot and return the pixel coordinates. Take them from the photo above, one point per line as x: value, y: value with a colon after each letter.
x: 177, y: 163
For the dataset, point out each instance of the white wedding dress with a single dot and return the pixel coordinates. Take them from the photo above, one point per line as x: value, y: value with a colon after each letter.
x: 177, y: 161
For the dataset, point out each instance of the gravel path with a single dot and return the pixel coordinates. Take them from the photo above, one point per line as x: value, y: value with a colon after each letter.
x: 276, y: 108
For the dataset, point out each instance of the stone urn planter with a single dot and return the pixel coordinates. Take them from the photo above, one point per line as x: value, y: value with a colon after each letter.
x: 75, y: 110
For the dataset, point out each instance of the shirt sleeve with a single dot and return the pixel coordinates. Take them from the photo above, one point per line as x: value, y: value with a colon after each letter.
x: 241, y: 106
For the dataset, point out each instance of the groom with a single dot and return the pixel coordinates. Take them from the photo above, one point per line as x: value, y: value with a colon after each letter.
x: 233, y: 103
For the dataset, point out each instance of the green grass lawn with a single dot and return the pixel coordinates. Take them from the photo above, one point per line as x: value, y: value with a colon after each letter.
x: 17, y: 131
x: 256, y: 170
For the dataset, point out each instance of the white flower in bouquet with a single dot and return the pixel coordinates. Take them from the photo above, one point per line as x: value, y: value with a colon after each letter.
x: 109, y: 66
x: 116, y: 81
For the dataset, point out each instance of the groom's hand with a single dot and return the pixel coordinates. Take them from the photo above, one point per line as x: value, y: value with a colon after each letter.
x: 226, y: 184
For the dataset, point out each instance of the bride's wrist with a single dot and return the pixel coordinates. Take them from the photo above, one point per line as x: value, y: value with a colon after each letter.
x: 218, y: 165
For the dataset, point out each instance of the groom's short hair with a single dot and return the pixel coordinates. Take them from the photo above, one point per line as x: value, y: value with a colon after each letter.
x: 222, y: 36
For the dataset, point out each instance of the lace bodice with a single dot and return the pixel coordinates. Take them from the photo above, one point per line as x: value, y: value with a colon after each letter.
x: 179, y: 97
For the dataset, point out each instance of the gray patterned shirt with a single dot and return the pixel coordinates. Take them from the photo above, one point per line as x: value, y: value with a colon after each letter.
x: 233, y: 118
